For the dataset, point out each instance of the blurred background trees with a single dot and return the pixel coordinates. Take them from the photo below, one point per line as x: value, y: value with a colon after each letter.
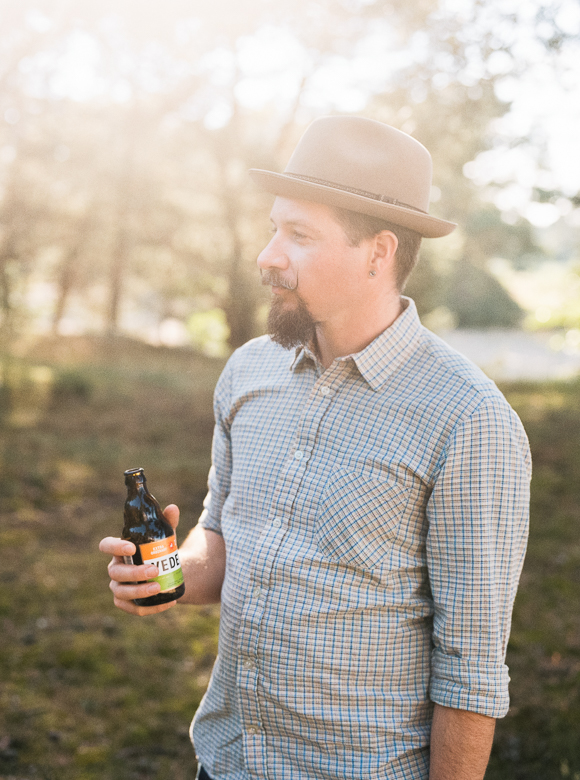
x: 126, y: 132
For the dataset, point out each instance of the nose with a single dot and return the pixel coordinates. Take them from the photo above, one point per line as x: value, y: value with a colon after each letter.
x: 273, y: 255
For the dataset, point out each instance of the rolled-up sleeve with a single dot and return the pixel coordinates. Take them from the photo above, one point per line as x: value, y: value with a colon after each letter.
x: 219, y: 479
x: 478, y: 525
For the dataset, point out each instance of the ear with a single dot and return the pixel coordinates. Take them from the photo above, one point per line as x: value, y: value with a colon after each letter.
x: 384, y: 249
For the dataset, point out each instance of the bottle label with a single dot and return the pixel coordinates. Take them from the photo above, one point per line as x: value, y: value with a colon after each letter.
x: 163, y: 554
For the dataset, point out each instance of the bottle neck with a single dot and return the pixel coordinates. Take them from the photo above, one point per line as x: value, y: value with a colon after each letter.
x: 136, y: 486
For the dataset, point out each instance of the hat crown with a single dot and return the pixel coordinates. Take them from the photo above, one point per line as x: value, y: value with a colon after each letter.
x: 365, y: 155
x: 361, y: 165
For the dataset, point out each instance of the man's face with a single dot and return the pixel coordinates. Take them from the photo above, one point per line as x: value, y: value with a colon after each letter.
x: 317, y: 277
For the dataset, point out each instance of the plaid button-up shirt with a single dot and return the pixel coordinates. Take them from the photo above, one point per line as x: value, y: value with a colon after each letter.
x: 375, y: 522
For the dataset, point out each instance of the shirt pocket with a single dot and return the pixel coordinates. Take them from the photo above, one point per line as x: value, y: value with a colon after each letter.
x: 358, y: 516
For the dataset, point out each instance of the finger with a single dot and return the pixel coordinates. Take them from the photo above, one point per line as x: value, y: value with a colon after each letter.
x: 128, y: 592
x: 125, y: 572
x: 171, y: 514
x: 132, y: 609
x: 114, y: 546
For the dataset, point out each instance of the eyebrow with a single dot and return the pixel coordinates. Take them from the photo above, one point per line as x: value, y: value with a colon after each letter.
x: 298, y: 223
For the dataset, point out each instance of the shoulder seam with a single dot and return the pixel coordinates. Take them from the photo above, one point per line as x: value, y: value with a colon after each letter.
x: 482, y: 392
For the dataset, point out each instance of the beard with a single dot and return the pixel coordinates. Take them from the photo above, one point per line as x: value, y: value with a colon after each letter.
x: 291, y: 327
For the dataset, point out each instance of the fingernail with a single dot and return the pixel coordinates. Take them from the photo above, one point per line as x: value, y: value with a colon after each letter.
x: 128, y: 549
x: 153, y: 588
x: 153, y: 571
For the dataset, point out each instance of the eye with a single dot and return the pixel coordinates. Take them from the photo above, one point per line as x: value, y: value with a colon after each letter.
x: 299, y: 236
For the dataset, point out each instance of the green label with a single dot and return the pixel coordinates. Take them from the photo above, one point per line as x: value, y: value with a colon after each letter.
x: 171, y: 580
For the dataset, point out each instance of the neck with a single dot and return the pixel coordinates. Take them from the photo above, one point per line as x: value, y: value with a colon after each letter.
x: 339, y: 339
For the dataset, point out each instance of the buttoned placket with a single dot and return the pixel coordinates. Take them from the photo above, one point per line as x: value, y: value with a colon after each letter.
x: 325, y: 386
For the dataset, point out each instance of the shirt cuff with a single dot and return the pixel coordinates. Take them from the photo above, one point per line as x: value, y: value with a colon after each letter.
x: 210, y: 524
x: 469, y: 685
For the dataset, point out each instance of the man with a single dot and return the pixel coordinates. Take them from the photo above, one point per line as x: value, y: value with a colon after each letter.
x: 367, y: 515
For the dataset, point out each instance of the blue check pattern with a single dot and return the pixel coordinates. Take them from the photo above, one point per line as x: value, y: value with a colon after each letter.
x: 375, y: 519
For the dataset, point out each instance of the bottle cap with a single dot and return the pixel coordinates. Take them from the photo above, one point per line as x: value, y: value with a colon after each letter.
x: 132, y: 474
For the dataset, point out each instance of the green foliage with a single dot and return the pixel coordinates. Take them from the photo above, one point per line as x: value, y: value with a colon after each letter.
x: 478, y: 300
x: 209, y: 332
x: 72, y: 385
x: 468, y: 292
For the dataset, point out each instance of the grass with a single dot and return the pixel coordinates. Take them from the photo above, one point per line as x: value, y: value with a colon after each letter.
x: 88, y: 692
x: 540, y: 737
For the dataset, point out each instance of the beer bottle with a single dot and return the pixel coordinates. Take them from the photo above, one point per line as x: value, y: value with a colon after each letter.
x: 154, y: 539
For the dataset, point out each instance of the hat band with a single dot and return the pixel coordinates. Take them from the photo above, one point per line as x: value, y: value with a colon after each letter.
x: 354, y: 191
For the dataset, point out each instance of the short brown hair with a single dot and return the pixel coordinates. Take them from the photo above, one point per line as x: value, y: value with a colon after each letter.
x: 361, y: 226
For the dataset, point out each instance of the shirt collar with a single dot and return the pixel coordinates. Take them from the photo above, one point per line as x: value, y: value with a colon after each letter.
x: 302, y: 355
x: 385, y: 354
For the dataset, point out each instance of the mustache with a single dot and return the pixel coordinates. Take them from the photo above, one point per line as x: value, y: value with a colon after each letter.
x: 274, y: 278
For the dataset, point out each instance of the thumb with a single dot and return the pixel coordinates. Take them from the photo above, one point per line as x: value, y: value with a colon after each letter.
x: 171, y: 514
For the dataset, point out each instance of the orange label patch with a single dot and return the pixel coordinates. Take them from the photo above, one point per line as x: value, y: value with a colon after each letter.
x: 158, y: 549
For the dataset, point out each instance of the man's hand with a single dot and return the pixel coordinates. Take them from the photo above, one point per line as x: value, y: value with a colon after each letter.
x: 460, y: 744
x: 124, y: 577
x: 203, y: 562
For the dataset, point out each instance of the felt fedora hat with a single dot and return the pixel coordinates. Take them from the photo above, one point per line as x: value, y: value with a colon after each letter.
x: 361, y: 165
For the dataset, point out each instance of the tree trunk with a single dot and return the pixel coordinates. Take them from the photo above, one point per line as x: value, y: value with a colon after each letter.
x: 66, y: 280
x: 119, y: 260
x: 125, y: 197
x: 240, y: 304
x: 6, y: 332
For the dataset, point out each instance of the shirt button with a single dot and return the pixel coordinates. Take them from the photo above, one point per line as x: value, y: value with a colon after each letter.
x: 324, y: 390
x: 257, y: 592
x: 298, y: 455
x: 252, y: 730
x: 248, y: 663
x: 276, y: 522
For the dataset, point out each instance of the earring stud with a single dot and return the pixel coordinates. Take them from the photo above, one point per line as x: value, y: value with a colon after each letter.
x: 372, y: 273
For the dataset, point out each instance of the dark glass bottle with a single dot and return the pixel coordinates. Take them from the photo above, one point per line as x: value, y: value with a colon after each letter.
x: 154, y: 539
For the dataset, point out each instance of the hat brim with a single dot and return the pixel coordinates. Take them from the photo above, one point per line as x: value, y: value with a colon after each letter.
x: 298, y: 189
